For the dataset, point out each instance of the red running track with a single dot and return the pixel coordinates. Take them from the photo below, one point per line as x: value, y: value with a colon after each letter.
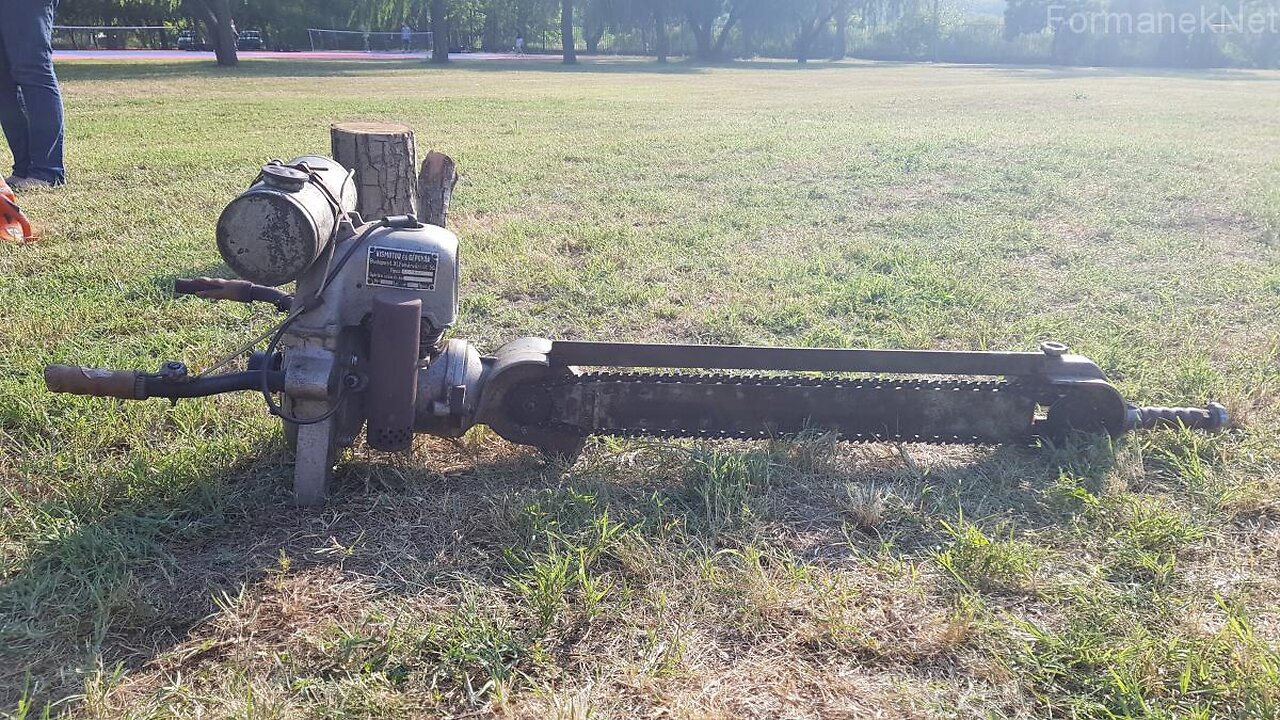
x: 62, y: 55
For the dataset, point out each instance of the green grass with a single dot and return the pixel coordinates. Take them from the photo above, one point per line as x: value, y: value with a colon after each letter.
x: 152, y: 566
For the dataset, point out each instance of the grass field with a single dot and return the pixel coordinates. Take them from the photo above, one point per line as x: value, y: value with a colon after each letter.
x: 151, y: 564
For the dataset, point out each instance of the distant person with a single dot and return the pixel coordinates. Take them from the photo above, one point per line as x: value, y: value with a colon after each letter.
x: 406, y: 37
x: 30, y: 100
x: 519, y: 44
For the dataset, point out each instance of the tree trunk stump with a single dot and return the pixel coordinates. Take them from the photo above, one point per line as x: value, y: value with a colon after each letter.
x: 383, y: 157
x: 435, y: 186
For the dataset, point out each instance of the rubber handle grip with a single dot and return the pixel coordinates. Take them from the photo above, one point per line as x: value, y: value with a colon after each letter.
x: 214, y: 288
x: 77, y: 380
x: 1211, y: 417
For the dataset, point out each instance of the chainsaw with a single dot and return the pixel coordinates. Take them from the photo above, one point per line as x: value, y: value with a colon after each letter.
x: 364, y: 345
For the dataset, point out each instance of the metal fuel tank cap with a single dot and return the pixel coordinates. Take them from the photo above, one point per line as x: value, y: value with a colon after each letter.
x: 283, y: 177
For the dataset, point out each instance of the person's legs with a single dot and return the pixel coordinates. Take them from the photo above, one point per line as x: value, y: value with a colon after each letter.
x: 31, y: 111
x: 13, y: 115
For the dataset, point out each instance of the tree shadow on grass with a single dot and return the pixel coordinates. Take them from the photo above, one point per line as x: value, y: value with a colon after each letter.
x: 1061, y: 72
x: 120, y: 586
x: 586, y: 65
x: 899, y: 506
x: 98, y: 71
x: 145, y: 586
x: 78, y: 71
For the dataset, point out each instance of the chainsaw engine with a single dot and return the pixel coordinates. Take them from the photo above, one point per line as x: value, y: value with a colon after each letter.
x: 364, y: 346
x: 373, y: 302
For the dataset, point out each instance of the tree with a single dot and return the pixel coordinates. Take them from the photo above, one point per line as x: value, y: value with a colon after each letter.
x: 844, y: 8
x: 285, y: 22
x: 814, y: 15
x: 935, y: 38
x: 757, y: 18
x: 439, y: 32
x: 566, y: 32
x: 1027, y: 17
x: 650, y: 18
x: 389, y: 14
x: 661, y: 40
x: 596, y: 15
x: 115, y: 12
x: 492, y: 39
x: 711, y: 21
x: 217, y: 17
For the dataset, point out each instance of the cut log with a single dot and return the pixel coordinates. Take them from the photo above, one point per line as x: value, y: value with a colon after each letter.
x: 383, y: 158
x: 435, y: 186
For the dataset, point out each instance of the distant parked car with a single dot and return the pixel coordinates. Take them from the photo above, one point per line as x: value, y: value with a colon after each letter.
x: 250, y: 40
x: 190, y: 40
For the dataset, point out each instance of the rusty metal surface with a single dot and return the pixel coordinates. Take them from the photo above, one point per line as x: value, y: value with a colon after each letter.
x: 277, y: 228
x: 314, y: 453
x: 393, y: 371
x: 530, y: 395
x: 269, y: 237
x: 735, y: 357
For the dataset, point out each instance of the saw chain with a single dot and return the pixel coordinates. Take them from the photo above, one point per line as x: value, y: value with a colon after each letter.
x: 755, y: 406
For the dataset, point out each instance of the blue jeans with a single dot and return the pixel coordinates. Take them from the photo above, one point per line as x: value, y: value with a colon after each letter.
x: 30, y: 102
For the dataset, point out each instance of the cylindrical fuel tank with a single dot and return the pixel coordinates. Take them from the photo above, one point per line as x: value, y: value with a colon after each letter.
x: 280, y: 225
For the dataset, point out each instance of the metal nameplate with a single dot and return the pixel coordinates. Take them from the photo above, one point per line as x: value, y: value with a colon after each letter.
x: 405, y: 269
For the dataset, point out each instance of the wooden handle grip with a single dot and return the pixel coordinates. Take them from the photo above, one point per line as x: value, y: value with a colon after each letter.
x: 76, y: 380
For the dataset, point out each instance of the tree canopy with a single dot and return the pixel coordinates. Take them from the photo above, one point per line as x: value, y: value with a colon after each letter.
x: 716, y: 30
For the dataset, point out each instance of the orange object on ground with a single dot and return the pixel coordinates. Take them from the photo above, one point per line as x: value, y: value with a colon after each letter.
x: 14, y: 225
